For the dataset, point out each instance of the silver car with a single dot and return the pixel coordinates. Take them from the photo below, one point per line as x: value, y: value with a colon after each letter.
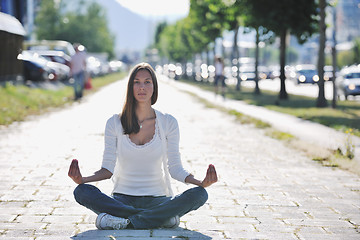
x: 348, y: 82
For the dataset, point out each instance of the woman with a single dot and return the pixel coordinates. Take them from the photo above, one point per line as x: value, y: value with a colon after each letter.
x: 141, y: 151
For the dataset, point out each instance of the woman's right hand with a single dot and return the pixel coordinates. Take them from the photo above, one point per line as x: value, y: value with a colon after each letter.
x: 74, y: 172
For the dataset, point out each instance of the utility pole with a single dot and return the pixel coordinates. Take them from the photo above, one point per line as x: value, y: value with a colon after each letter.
x: 30, y: 19
x: 333, y: 54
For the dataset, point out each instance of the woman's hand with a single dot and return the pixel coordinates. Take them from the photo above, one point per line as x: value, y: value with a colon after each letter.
x: 74, y: 172
x: 210, y: 178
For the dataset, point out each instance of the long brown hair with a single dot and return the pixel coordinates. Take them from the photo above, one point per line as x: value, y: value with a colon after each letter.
x: 128, y: 118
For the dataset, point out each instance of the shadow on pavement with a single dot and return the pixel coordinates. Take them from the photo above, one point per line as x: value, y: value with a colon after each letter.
x: 177, y: 233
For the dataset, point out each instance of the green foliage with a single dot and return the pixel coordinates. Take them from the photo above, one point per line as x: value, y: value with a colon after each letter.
x: 159, y: 29
x: 205, y: 17
x: 356, y: 50
x: 345, y: 58
x: 48, y: 20
x: 233, y: 13
x: 296, y: 16
x: 174, y: 43
x: 192, y: 34
x: 87, y: 27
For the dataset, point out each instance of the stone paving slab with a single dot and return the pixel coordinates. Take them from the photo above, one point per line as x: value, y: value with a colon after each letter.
x: 265, y: 189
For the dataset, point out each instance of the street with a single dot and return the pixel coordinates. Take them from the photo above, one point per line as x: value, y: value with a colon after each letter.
x: 265, y: 190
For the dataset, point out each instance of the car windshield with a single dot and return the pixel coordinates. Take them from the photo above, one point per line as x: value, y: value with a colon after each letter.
x: 353, y: 75
x: 308, y: 71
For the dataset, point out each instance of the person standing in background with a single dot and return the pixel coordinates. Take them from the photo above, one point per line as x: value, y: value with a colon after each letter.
x: 219, y: 76
x: 77, y: 70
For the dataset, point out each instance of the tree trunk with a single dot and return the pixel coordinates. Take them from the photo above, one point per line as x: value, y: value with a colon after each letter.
x: 257, y: 89
x: 321, y: 100
x: 283, y: 94
x: 237, y: 56
x: 214, y: 52
x: 208, y: 56
x: 194, y: 67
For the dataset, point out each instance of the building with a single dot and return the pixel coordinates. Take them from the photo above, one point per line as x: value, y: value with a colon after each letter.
x: 11, y: 39
x: 22, y: 10
x: 347, y: 20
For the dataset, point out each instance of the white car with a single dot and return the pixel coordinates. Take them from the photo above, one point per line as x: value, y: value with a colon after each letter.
x: 348, y: 83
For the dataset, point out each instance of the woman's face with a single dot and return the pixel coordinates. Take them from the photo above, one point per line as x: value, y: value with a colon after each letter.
x: 143, y: 86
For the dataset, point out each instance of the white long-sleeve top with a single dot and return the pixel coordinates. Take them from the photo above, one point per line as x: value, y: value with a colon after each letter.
x: 144, y: 170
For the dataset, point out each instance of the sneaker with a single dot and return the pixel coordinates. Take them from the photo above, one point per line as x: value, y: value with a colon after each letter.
x: 172, y: 222
x: 106, y: 221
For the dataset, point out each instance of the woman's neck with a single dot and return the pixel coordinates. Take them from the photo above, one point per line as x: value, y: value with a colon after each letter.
x: 144, y: 112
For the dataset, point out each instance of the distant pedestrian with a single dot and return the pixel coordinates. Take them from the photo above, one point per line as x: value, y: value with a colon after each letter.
x: 78, y: 70
x: 219, y: 76
x: 141, y: 153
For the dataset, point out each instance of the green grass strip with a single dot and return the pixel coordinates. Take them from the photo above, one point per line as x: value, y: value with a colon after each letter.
x: 346, y: 117
x: 18, y: 102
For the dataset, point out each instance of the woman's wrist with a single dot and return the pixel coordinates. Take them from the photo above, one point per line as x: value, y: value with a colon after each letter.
x: 190, y: 179
x: 84, y: 180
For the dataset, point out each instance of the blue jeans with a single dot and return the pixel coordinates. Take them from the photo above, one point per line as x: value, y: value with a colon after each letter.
x: 144, y: 212
x: 79, y: 83
x: 219, y: 79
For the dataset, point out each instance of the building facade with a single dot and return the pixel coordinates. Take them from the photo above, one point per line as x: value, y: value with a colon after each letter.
x: 348, y: 20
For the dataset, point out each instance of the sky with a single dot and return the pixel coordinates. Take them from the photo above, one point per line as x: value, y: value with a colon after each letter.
x: 158, y: 8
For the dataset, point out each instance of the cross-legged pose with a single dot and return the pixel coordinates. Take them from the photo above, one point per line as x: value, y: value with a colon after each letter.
x: 141, y: 154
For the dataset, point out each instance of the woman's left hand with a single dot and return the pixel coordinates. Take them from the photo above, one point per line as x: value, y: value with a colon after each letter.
x: 210, y: 178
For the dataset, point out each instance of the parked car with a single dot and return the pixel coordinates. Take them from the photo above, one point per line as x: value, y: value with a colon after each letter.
x: 306, y: 73
x: 263, y: 72
x: 35, y: 69
x: 93, y: 66
x: 57, y: 61
x: 56, y: 45
x: 55, y: 56
x: 274, y: 72
x: 58, y: 71
x: 348, y: 83
x: 247, y: 72
x: 62, y: 71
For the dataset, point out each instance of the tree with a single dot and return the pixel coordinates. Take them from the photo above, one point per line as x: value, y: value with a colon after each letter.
x: 232, y: 22
x: 283, y: 17
x: 173, y: 42
x: 159, y: 29
x: 321, y: 100
x: 48, y: 20
x: 87, y: 27
x: 262, y: 34
x: 206, y: 17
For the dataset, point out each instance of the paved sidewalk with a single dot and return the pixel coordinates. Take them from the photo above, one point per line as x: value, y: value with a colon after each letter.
x: 265, y: 190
